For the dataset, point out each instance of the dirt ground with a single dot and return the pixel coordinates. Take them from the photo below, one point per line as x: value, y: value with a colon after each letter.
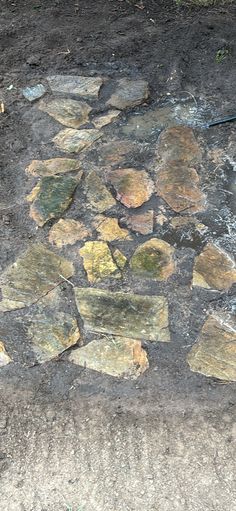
x: 72, y: 439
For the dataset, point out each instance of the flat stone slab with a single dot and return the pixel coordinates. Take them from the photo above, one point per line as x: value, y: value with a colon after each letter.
x: 84, y: 86
x: 129, y: 93
x: 133, y: 187
x: 122, y: 314
x: 98, y: 261
x: 117, y: 152
x: 68, y: 112
x: 68, y: 232
x: 102, y: 120
x: 214, y: 269
x: 52, y: 167
x: 109, y: 229
x: 51, y: 197
x: 214, y: 353
x: 4, y: 357
x: 154, y: 260
x: 141, y: 223
x: 98, y: 196
x: 32, y: 276
x: 117, y: 356
x: 74, y: 141
x: 178, y: 143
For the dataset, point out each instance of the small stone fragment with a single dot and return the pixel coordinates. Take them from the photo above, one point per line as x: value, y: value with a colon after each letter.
x: 51, y: 333
x: 214, y: 353
x: 85, y: 86
x: 68, y: 112
x: 52, y: 167
x: 129, y: 93
x: 35, y: 92
x: 52, y: 196
x: 32, y: 276
x: 4, y: 357
x: 133, y: 187
x: 153, y: 259
x: 140, y: 317
x: 214, y: 269
x: 67, y: 232
x: 109, y: 229
x: 74, y: 141
x: 161, y: 219
x: 104, y: 119
x: 141, y: 223
x: 98, y: 196
x: 98, y: 261
x: 119, y: 258
x: 117, y: 356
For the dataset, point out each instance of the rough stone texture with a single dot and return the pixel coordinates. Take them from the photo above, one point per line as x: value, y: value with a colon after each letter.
x: 153, y: 259
x: 68, y: 232
x: 109, y: 229
x: 214, y: 353
x: 4, y: 357
x: 141, y: 223
x: 68, y: 112
x: 116, y: 152
x: 119, y: 258
x: 178, y: 222
x: 117, y: 356
x: 74, y: 141
x: 34, y: 93
x: 51, y: 197
x: 52, y: 167
x: 129, y: 93
x: 106, y: 118
x: 98, y: 261
x: 139, y: 317
x: 85, y: 86
x: 98, y: 196
x: 214, y: 269
x: 145, y: 125
x: 133, y: 187
x: 178, y: 144
x: 32, y: 276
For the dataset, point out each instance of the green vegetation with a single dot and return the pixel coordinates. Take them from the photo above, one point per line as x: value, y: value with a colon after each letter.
x: 221, y: 55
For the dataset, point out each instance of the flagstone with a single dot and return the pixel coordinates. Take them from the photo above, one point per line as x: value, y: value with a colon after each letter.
x: 68, y: 112
x: 214, y: 353
x: 98, y: 196
x: 129, y: 93
x: 32, y: 276
x: 98, y: 261
x: 153, y: 259
x: 68, y: 232
x: 109, y: 229
x: 74, y: 141
x: 117, y: 356
x: 51, y: 197
x: 85, y: 86
x: 178, y: 143
x: 133, y: 187
x: 214, y: 269
x: 51, y: 167
x: 106, y: 118
x: 4, y: 357
x: 119, y: 258
x: 141, y: 223
x: 117, y: 152
x: 124, y: 314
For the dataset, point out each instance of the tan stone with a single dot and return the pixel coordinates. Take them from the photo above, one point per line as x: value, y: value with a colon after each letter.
x: 98, y: 196
x: 74, y: 141
x: 85, y: 86
x: 51, y: 167
x: 123, y: 314
x: 98, y: 261
x: 153, y: 259
x: 119, y: 258
x: 117, y: 356
x: 68, y: 112
x: 4, y: 357
x: 214, y: 353
x: 161, y: 219
x: 178, y: 222
x: 67, y: 232
x: 214, y: 269
x: 106, y: 118
x: 129, y: 93
x: 141, y: 223
x: 178, y: 143
x: 109, y: 229
x: 133, y: 187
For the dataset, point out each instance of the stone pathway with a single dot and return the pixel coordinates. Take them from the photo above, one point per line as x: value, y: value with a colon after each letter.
x: 121, y: 255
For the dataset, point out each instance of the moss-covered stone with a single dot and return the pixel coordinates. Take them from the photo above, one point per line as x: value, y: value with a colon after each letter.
x: 153, y: 259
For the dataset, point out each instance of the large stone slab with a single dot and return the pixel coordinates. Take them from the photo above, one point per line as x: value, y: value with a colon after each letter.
x: 84, y: 86
x: 133, y: 187
x: 51, y: 197
x: 214, y: 353
x: 52, y: 167
x: 68, y: 112
x: 214, y: 269
x: 32, y: 276
x: 124, y: 314
x: 116, y: 356
x: 109, y: 229
x: 4, y: 357
x: 153, y: 259
x: 74, y: 141
x: 98, y: 196
x: 68, y: 232
x: 178, y: 143
x: 98, y: 261
x: 129, y: 93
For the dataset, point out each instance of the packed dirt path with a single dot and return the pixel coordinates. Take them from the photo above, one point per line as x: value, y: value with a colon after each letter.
x: 117, y: 214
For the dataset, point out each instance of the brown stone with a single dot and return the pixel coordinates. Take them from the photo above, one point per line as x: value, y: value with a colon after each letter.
x: 52, y: 167
x: 74, y: 141
x: 98, y: 261
x: 133, y: 187
x: 106, y: 118
x: 68, y: 112
x: 67, y: 232
x: 129, y: 93
x: 141, y: 223
x: 117, y: 152
x: 109, y: 229
x: 98, y: 196
x: 85, y: 86
x: 153, y: 259
x: 178, y: 144
x: 214, y: 269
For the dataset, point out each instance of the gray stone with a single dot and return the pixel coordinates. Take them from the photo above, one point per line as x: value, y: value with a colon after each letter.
x: 85, y: 86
